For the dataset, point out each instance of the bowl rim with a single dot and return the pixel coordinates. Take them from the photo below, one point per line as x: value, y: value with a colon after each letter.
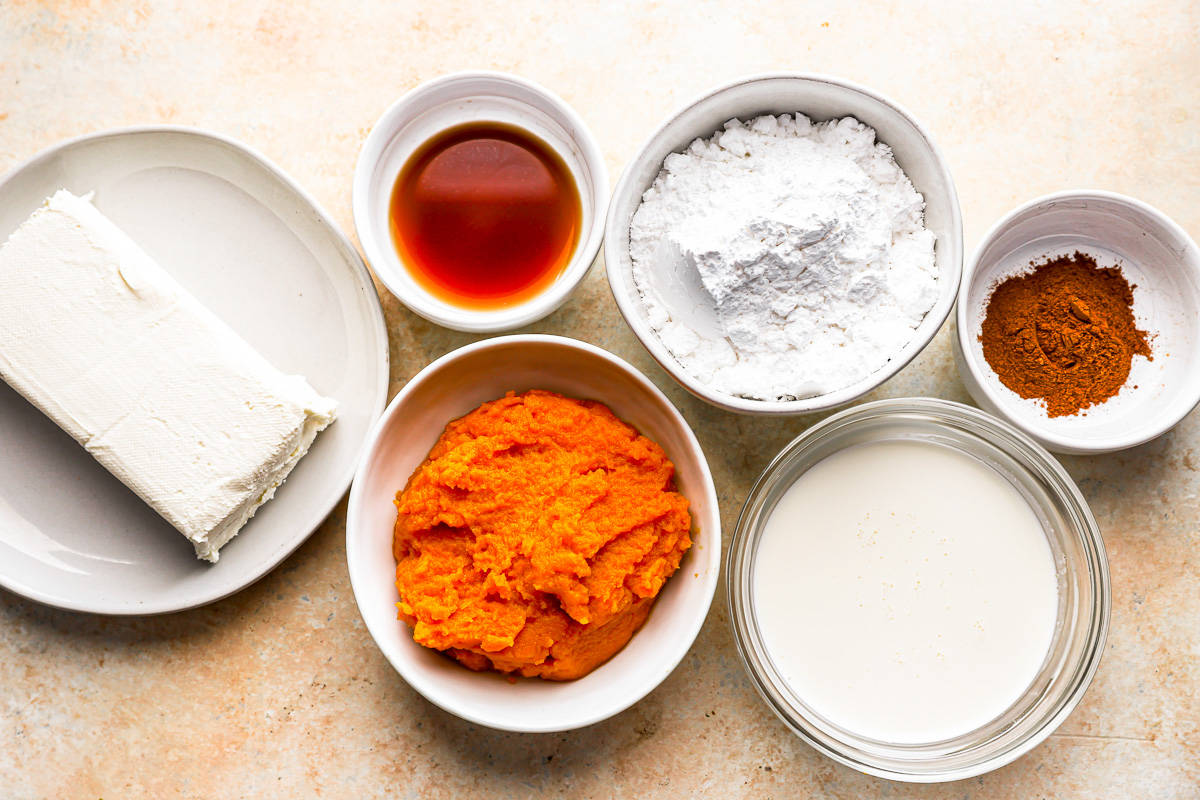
x: 647, y: 680
x: 1001, y: 406
x: 617, y: 261
x: 469, y: 320
x: 1097, y: 566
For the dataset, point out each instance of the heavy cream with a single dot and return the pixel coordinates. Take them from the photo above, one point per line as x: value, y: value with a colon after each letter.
x: 905, y: 591
x: 153, y: 385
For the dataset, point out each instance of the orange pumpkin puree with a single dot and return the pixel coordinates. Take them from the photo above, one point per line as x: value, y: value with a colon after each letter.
x: 536, y: 535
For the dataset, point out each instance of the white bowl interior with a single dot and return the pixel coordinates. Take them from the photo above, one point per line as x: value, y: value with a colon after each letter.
x: 456, y: 385
x: 820, y: 99
x: 453, y: 100
x: 1154, y: 255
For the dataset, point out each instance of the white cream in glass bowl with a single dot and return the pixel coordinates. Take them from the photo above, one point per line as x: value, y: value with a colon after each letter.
x: 918, y: 590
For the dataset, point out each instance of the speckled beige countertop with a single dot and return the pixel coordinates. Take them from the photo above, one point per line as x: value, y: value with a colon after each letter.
x: 279, y: 690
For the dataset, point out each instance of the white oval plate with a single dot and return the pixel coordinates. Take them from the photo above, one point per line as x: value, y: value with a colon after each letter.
x: 256, y: 249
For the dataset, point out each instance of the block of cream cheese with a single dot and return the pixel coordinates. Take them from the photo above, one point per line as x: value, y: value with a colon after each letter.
x: 157, y: 388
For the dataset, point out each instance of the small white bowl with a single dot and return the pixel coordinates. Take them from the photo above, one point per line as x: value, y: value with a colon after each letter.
x: 453, y: 386
x: 1155, y: 255
x: 452, y: 100
x: 820, y: 98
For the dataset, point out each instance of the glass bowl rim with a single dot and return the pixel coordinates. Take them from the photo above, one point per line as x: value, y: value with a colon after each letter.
x: 1019, y: 447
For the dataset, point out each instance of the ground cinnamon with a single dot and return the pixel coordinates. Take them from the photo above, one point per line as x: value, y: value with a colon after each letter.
x: 1064, y: 333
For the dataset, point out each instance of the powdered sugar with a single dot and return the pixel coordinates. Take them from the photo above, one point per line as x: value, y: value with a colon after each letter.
x: 808, y: 238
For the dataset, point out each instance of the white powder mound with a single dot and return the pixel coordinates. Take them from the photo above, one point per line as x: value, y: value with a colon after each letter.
x: 810, y: 240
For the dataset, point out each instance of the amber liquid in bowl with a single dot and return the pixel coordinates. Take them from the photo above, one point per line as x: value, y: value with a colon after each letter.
x: 485, y: 215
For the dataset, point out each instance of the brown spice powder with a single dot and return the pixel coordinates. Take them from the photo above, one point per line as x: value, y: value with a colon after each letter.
x: 1063, y: 333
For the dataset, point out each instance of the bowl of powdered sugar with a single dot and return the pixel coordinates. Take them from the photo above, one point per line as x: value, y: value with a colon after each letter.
x: 785, y: 243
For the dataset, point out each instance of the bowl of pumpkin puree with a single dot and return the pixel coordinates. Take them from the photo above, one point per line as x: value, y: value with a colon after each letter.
x: 533, y: 534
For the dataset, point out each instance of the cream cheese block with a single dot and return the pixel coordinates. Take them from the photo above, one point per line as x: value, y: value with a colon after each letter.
x: 153, y: 385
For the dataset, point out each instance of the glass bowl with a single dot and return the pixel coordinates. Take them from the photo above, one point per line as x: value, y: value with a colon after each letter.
x: 1084, y: 591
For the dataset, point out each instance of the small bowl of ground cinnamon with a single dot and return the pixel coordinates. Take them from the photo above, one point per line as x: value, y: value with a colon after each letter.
x: 1079, y: 322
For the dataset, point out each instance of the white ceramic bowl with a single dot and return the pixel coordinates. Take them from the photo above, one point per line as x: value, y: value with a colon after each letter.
x: 820, y: 98
x: 447, y: 389
x: 1155, y: 254
x: 452, y: 100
